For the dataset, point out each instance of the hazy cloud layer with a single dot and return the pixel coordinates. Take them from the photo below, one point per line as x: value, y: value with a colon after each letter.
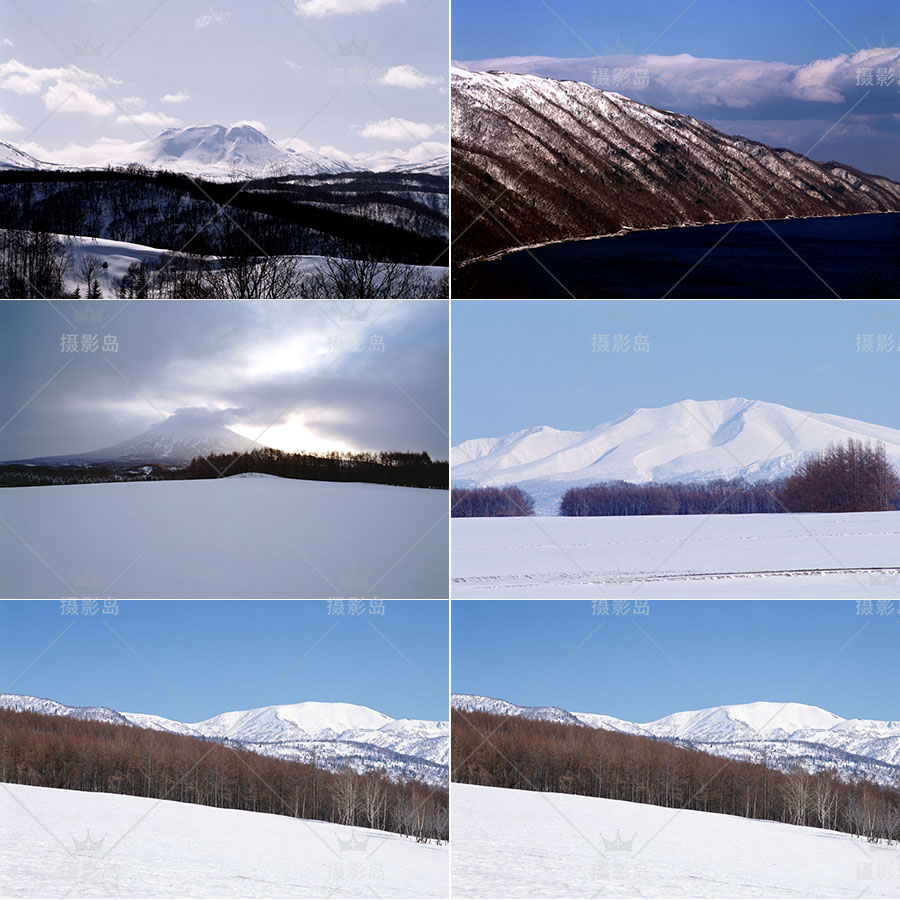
x: 303, y: 374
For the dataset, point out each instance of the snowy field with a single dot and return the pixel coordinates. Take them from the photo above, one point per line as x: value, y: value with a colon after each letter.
x: 809, y: 555
x: 509, y: 843
x: 119, y: 255
x: 159, y: 848
x: 239, y: 537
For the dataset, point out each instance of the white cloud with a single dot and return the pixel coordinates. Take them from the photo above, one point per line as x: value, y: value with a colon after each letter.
x: 409, y: 77
x: 100, y: 152
x: 8, y: 124
x: 6, y: 42
x: 253, y: 123
x: 65, y: 96
x: 395, y: 129
x: 22, y: 79
x: 178, y: 97
x: 319, y: 9
x: 152, y: 119
x: 674, y: 81
x: 211, y: 17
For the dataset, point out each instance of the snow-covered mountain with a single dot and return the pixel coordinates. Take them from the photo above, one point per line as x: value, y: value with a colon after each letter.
x: 216, y: 151
x: 783, y: 733
x: 686, y: 441
x: 439, y: 165
x: 185, y: 434
x: 572, y: 161
x: 334, y: 734
x: 13, y: 158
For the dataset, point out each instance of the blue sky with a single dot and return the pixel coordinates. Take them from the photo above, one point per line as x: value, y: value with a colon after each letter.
x: 222, y: 656
x: 315, y: 71
x: 708, y: 654
x: 521, y: 364
x: 789, y: 74
x: 766, y: 29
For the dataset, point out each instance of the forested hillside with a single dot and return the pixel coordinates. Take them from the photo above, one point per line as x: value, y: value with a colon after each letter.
x: 60, y: 752
x: 527, y: 754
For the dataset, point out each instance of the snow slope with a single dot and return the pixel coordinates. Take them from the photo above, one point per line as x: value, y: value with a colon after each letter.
x: 778, y: 555
x: 224, y: 538
x: 12, y: 157
x: 509, y: 843
x: 119, y: 255
x: 785, y: 732
x: 160, y: 848
x: 686, y: 441
x: 336, y: 733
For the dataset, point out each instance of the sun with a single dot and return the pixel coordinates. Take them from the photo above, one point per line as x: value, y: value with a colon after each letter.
x: 292, y: 437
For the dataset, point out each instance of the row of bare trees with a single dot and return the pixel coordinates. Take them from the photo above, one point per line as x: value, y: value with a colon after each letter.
x: 527, y: 754
x: 854, y: 476
x: 61, y: 752
x: 490, y: 501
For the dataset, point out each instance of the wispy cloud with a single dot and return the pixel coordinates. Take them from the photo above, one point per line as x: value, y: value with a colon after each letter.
x: 178, y: 97
x: 322, y: 8
x: 396, y: 129
x: 409, y: 77
x: 151, y: 119
x: 212, y: 17
x: 8, y: 124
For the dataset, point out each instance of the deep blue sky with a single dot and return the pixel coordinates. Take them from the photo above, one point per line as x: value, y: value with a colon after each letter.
x: 784, y: 30
x: 223, y: 656
x: 526, y: 363
x: 729, y: 651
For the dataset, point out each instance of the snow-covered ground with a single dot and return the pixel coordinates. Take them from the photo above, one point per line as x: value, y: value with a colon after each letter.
x: 236, y: 537
x: 119, y: 255
x: 509, y: 843
x: 139, y: 847
x: 780, y: 555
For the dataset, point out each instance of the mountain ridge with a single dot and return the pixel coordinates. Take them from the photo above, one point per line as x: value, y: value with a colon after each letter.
x: 335, y: 733
x: 784, y: 733
x: 798, y: 733
x: 573, y: 162
x: 691, y: 440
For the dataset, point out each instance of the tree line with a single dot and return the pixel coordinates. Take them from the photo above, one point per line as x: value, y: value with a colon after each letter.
x: 528, y: 754
x: 73, y: 754
x: 405, y: 469
x: 490, y: 501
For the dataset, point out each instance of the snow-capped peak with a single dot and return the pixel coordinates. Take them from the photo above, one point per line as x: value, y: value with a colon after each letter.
x: 692, y: 440
x: 310, y: 719
x: 219, y: 151
x: 762, y: 719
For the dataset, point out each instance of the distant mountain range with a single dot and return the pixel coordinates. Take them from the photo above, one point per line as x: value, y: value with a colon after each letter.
x: 177, y: 440
x: 225, y: 153
x: 335, y: 734
x: 686, y: 441
x: 571, y: 162
x: 782, y: 734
